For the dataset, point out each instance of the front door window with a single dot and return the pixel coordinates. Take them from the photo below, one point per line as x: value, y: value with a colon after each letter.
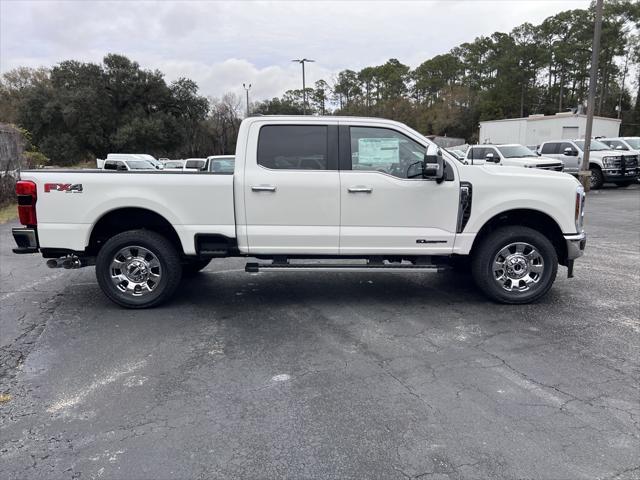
x: 386, y: 151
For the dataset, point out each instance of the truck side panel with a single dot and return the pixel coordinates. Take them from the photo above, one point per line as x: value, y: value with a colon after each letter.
x: 192, y: 203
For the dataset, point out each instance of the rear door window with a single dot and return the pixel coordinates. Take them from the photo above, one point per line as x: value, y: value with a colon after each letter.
x: 550, y: 147
x: 293, y: 147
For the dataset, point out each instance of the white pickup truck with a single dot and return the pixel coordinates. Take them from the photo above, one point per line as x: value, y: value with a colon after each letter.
x: 372, y: 193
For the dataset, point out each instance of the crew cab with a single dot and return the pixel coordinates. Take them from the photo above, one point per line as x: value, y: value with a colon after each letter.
x: 514, y: 155
x: 368, y: 194
x: 605, y: 163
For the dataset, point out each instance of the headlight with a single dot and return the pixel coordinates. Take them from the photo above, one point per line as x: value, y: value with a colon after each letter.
x: 579, y: 210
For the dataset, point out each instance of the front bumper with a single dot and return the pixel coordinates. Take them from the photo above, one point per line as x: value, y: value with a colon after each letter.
x: 575, y: 245
x: 26, y: 239
x: 619, y: 175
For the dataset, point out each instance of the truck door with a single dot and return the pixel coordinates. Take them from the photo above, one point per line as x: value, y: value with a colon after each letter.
x: 292, y: 189
x: 383, y: 211
x: 556, y: 150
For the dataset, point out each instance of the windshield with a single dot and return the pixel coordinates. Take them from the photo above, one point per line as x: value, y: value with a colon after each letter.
x: 140, y: 165
x: 516, y: 151
x: 633, y: 143
x: 595, y: 145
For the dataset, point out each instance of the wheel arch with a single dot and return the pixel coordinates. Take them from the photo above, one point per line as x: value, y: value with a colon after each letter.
x: 121, y: 219
x: 526, y: 217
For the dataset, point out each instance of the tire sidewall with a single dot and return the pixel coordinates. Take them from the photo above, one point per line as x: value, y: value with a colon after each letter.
x: 483, y: 271
x: 164, y: 252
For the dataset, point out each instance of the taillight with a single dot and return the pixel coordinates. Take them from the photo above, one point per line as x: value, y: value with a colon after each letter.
x: 27, y: 195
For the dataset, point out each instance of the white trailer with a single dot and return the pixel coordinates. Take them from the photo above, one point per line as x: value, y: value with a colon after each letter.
x: 535, y: 129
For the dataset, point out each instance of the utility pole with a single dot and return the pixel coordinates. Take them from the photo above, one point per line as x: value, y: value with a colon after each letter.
x: 246, y: 89
x: 585, y: 175
x: 302, y: 61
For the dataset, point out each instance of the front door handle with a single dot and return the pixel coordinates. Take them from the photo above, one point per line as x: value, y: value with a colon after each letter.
x: 360, y: 189
x: 263, y: 188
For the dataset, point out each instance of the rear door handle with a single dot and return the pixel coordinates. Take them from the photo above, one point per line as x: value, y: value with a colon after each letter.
x: 360, y: 189
x: 263, y: 188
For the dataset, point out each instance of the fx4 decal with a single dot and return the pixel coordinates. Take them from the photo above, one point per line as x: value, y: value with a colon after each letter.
x: 63, y: 187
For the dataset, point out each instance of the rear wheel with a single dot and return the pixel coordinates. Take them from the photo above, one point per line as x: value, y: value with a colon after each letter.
x: 138, y: 269
x: 596, y: 179
x: 515, y: 265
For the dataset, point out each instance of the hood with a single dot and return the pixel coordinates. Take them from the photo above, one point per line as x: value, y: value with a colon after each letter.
x: 606, y: 153
x: 530, y: 161
x: 466, y: 173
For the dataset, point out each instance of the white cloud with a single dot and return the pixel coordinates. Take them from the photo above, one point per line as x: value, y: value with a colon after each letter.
x: 220, y: 44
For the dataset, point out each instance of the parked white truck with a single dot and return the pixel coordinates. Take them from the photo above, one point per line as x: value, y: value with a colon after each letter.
x: 371, y: 192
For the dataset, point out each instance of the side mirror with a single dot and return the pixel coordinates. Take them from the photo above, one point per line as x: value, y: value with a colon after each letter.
x: 122, y: 168
x: 570, y: 152
x: 433, y: 164
x: 490, y: 158
x: 620, y: 147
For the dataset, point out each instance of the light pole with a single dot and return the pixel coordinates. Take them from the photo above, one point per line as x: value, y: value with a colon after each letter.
x: 597, y: 30
x: 246, y: 89
x: 302, y: 61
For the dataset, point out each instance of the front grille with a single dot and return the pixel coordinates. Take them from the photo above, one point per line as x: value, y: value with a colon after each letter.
x: 631, y: 161
x: 617, y: 162
x: 556, y: 167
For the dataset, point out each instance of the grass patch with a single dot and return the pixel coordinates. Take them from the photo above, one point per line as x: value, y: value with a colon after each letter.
x: 8, y: 213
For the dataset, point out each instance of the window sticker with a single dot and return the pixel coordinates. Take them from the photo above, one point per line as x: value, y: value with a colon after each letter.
x: 375, y: 151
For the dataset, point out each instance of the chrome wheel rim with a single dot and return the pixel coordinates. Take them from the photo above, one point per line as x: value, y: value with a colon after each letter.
x: 518, y: 267
x: 135, y: 271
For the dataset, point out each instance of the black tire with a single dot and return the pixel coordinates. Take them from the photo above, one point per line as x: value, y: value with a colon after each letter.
x: 597, y: 178
x: 485, y: 254
x: 624, y: 184
x: 461, y: 264
x: 169, y: 269
x: 191, y: 267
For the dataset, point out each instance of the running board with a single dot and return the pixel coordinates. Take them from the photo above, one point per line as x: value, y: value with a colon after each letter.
x: 329, y: 267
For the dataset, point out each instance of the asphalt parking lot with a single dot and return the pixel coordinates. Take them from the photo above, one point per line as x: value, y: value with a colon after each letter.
x: 330, y: 375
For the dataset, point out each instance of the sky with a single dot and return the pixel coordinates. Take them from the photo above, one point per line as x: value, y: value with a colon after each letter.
x: 223, y: 44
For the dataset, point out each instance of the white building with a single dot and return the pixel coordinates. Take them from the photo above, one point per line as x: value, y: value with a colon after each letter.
x: 535, y: 129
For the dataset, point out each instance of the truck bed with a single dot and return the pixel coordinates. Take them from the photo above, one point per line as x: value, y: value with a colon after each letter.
x: 193, y: 203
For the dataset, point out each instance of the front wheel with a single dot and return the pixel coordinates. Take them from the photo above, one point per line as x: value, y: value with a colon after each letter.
x: 515, y: 265
x: 138, y: 269
x: 596, y: 178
